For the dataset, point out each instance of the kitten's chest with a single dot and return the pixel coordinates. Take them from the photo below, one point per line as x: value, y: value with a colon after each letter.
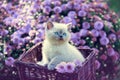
x: 55, y: 50
x: 52, y: 51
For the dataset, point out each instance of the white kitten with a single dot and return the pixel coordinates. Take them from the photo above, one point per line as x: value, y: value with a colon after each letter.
x: 56, y: 47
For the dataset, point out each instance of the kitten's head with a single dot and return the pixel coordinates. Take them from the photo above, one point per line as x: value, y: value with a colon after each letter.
x: 57, y: 33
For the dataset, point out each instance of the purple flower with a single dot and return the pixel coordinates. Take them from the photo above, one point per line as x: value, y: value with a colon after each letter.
x: 32, y: 33
x: 76, y: 42
x: 94, y: 39
x: 95, y: 33
x: 115, y: 57
x: 86, y: 25
x: 41, y: 18
x: 104, y: 41
x: 27, y: 28
x: 83, y: 32
x: 112, y: 37
x: 82, y: 42
x: 57, y: 9
x: 70, y: 67
x: 27, y: 39
x: 84, y: 47
x: 67, y: 20
x: 75, y: 38
x: 97, y: 64
x: 77, y: 6
x: 33, y: 11
x: 21, y: 31
x: 15, y: 15
x: 16, y: 34
x: 110, y: 51
x: 57, y: 3
x: 37, y: 6
x: 16, y: 40
x: 84, y: 6
x: 63, y: 7
x: 96, y: 50
x: 98, y: 25
x: 21, y: 41
x: 82, y: 13
x: 1, y: 26
x: 36, y: 40
x: 7, y: 49
x: 107, y: 17
x: 46, y: 2
x: 78, y: 63
x: 72, y: 14
x: 69, y: 5
x: 74, y: 35
x: 8, y: 20
x: 46, y: 9
x: 4, y: 32
x: 9, y: 61
x: 102, y: 33
x: 74, y: 22
x: 97, y: 18
x: 78, y: 1
x: 61, y: 67
x: 118, y: 34
x: 40, y: 26
x: 100, y: 5
x: 103, y: 57
x: 40, y: 33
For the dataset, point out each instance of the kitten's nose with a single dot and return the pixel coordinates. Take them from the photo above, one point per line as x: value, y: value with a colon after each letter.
x: 61, y: 36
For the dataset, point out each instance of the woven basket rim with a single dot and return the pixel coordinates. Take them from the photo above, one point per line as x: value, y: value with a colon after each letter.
x: 19, y: 60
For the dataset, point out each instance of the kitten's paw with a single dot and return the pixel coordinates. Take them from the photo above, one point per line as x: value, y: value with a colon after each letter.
x: 51, y: 66
x: 41, y: 63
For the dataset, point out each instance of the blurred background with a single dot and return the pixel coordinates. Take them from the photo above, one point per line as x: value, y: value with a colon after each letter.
x: 114, y: 5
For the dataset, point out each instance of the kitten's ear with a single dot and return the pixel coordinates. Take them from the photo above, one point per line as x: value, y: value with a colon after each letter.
x: 49, y: 25
x: 69, y: 26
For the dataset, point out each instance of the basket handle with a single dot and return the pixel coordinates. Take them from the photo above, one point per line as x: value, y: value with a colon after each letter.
x: 29, y: 52
x: 21, y: 56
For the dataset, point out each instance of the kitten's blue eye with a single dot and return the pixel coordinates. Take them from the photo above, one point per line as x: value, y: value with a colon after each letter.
x: 56, y: 33
x: 64, y: 34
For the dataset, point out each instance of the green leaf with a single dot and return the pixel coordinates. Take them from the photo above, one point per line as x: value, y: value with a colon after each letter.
x: 117, y: 45
x: 114, y: 5
x: 106, y: 29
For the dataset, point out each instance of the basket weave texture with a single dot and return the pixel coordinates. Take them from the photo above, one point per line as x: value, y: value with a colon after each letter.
x: 8, y: 72
x: 29, y: 70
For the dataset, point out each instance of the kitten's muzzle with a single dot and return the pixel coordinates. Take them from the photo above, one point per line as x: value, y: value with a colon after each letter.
x: 61, y: 37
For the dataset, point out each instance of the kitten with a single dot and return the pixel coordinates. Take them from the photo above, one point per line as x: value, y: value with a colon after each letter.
x: 56, y: 47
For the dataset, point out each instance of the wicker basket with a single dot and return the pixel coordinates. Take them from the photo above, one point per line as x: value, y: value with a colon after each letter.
x: 8, y: 72
x: 29, y: 70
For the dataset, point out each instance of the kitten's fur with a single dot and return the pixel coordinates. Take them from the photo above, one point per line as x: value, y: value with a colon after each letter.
x: 56, y: 49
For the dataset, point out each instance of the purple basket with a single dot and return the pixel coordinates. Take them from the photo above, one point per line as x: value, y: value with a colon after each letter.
x: 8, y: 72
x: 29, y: 70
